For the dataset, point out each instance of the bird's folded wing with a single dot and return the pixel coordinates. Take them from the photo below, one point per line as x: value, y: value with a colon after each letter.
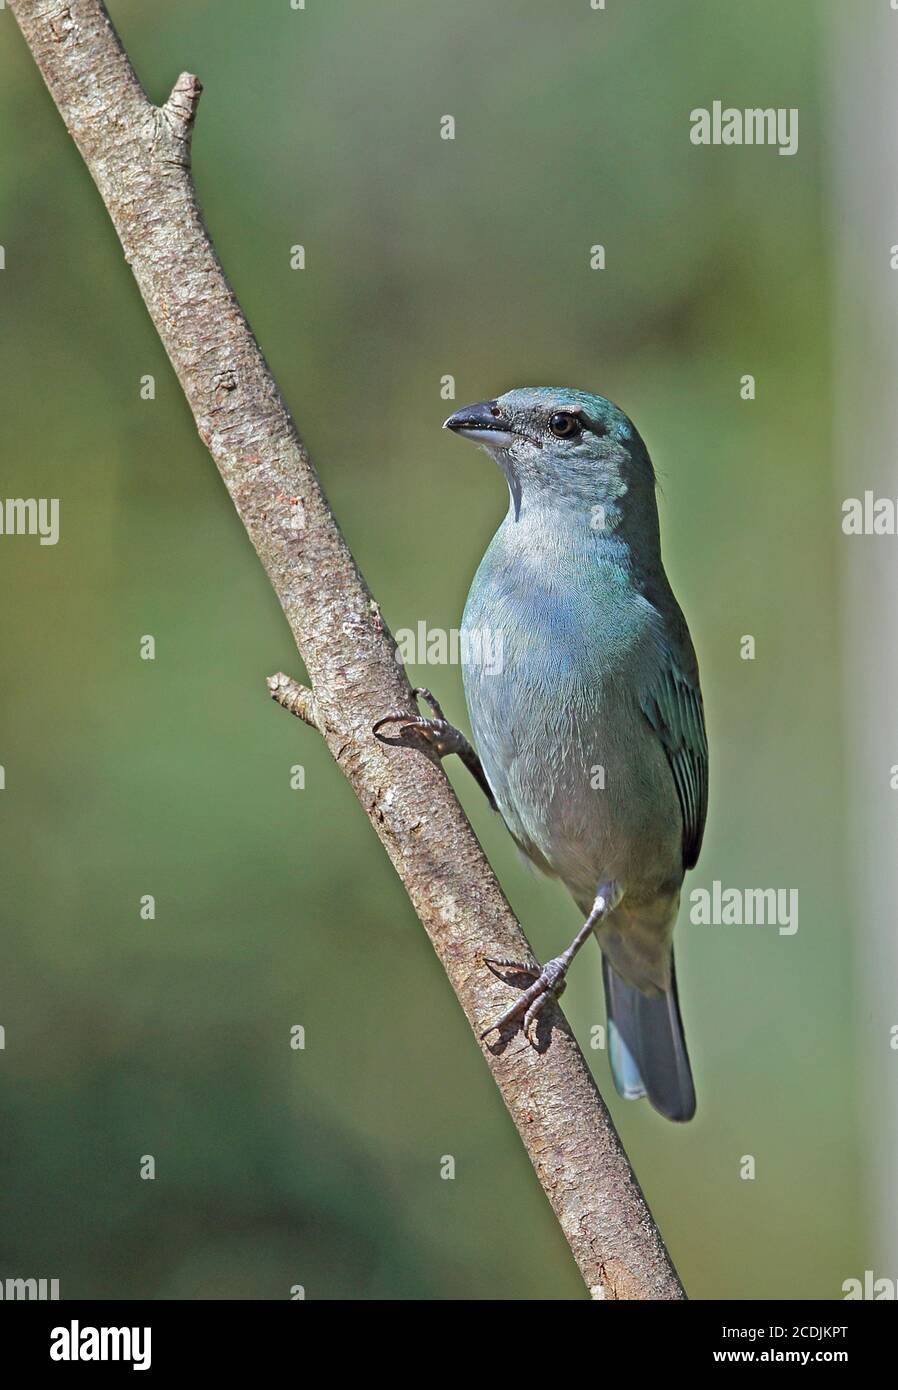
x: 673, y: 707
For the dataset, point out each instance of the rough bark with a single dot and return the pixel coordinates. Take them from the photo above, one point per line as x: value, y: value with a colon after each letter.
x: 139, y: 157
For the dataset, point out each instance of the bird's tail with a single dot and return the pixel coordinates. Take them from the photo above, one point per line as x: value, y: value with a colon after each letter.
x: 646, y: 1045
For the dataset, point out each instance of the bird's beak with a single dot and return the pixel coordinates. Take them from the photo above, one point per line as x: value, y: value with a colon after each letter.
x: 484, y: 423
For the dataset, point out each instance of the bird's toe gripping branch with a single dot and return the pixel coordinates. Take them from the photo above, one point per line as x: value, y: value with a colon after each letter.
x: 548, y: 981
x: 437, y: 733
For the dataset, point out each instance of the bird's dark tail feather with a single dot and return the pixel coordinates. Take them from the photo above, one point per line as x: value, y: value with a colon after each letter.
x: 646, y: 1046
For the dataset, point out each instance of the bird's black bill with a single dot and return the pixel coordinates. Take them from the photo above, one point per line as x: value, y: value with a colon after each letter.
x: 483, y: 422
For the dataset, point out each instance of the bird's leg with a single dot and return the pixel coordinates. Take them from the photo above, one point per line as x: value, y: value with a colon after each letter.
x: 438, y: 733
x: 549, y: 981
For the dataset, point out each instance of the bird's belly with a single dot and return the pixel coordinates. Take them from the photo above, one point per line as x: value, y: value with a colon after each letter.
x: 598, y: 808
x: 580, y: 778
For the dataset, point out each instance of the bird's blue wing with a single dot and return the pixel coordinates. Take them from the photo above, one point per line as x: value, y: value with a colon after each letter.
x: 673, y: 707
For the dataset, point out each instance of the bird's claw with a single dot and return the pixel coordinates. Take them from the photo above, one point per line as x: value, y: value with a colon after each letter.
x: 437, y: 734
x: 548, y: 984
x: 436, y: 731
x: 510, y: 967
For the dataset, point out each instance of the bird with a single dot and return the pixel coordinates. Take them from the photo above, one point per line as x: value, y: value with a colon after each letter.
x: 589, y: 731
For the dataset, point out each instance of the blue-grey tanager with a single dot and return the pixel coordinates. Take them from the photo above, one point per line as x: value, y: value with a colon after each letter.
x: 583, y: 694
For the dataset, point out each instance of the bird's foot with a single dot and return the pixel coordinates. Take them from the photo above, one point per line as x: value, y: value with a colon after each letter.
x: 416, y: 730
x: 548, y: 984
x: 549, y: 979
x: 437, y: 732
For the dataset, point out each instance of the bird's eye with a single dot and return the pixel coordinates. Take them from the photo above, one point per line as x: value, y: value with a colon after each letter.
x: 564, y: 426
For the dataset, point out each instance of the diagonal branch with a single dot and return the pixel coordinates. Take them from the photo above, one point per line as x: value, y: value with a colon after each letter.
x: 139, y: 157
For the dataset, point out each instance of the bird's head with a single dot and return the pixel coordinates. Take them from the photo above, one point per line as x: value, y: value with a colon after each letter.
x: 561, y: 449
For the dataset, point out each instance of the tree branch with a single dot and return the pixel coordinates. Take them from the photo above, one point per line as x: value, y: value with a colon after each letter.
x: 296, y: 698
x: 139, y: 157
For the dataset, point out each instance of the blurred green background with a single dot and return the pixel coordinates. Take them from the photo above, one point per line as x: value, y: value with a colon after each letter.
x: 124, y: 777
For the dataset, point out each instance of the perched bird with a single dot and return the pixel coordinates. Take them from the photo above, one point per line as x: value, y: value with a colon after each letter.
x: 589, y: 727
